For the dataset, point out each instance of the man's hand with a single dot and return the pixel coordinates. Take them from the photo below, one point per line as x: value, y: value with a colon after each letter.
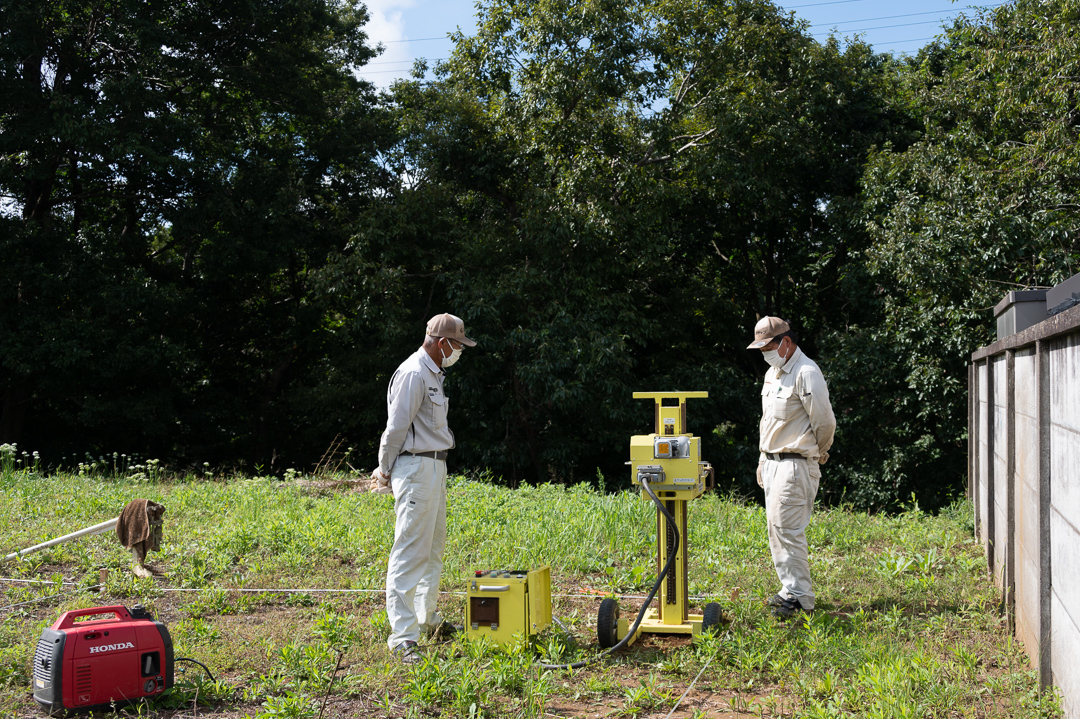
x: 380, y: 483
x: 760, y: 481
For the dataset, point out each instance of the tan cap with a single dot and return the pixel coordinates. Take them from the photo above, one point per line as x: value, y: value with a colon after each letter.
x: 448, y: 326
x: 765, y: 330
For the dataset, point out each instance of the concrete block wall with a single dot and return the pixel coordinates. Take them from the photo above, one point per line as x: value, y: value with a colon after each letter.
x: 998, y: 405
x: 983, y: 478
x: 1024, y: 436
x: 1065, y: 516
x: 1026, y: 538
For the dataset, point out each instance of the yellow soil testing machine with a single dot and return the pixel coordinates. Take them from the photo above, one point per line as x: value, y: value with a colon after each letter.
x: 505, y: 605
x: 667, y: 466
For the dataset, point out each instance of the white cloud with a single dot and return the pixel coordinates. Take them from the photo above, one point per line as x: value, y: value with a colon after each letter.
x: 387, y: 26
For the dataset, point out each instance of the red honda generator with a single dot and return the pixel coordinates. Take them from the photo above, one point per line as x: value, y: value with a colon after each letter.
x: 123, y: 656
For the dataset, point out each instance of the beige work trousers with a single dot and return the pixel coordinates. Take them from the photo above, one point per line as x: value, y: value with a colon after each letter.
x: 415, y: 564
x: 790, y: 488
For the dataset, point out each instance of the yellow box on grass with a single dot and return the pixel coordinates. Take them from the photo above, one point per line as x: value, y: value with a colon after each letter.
x: 502, y: 604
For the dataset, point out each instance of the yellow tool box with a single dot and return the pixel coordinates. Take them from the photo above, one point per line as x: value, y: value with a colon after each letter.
x: 502, y: 604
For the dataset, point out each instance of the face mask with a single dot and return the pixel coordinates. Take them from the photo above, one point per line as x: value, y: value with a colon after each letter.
x: 771, y: 356
x: 454, y: 354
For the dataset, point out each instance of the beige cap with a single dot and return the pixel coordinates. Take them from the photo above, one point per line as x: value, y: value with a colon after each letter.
x: 448, y: 326
x: 765, y: 330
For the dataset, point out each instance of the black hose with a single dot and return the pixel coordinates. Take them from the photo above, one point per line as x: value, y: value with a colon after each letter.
x: 195, y: 661
x: 648, y: 600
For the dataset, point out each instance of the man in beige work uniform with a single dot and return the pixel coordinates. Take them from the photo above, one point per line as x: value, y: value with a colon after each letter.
x: 797, y: 429
x: 412, y: 457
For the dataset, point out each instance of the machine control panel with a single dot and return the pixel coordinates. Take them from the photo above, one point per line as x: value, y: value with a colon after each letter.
x: 669, y: 459
x: 671, y: 447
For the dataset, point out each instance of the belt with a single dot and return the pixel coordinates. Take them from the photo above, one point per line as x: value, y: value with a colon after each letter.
x: 784, y: 455
x: 436, y: 454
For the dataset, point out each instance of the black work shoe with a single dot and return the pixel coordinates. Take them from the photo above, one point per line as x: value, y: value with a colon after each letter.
x: 446, y: 630
x: 407, y: 652
x: 788, y: 608
x: 775, y: 601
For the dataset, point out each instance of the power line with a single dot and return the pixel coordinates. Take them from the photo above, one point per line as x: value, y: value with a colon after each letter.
x: 819, y: 4
x: 403, y: 73
x: 854, y: 30
x: 419, y: 39
x: 889, y: 17
x: 916, y: 39
x: 789, y: 7
x: 942, y: 15
x: 880, y: 27
x: 399, y: 62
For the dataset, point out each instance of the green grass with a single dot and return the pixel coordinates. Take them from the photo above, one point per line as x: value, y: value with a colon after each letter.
x: 907, y: 621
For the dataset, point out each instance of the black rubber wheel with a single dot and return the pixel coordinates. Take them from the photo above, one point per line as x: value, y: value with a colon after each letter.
x: 607, y: 623
x: 711, y: 618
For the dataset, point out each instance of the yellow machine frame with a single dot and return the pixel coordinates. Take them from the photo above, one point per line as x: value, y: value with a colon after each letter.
x: 671, y: 459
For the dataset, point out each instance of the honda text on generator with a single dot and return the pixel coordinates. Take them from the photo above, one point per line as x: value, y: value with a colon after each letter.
x: 94, y: 662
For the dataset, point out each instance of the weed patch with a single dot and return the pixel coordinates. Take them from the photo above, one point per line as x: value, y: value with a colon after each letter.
x: 906, y: 625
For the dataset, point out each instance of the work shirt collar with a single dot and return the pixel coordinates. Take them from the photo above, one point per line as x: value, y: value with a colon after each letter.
x: 426, y: 360
x: 790, y: 364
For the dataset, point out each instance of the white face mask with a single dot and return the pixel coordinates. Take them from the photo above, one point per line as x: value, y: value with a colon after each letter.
x: 454, y: 354
x: 773, y: 358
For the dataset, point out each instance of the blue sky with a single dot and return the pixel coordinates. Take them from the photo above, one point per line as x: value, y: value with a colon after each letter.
x: 411, y: 29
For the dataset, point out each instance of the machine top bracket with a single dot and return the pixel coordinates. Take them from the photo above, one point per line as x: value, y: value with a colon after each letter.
x: 670, y: 420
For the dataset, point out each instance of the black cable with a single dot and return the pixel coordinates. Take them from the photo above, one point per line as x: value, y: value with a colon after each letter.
x: 196, y: 661
x: 648, y: 600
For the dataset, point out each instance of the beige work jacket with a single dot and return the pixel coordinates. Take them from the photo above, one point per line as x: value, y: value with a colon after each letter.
x: 796, y: 415
x: 416, y: 409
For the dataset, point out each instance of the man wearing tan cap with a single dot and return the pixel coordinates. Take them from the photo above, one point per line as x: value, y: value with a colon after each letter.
x: 796, y: 432
x: 412, y: 461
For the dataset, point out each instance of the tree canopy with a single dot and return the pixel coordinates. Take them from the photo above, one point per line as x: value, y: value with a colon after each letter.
x: 174, y: 178
x: 218, y: 243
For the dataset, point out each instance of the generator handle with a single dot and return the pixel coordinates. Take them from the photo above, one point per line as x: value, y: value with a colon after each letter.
x: 67, y: 619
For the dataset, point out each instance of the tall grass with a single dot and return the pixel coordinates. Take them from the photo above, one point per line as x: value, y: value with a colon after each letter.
x: 907, y: 621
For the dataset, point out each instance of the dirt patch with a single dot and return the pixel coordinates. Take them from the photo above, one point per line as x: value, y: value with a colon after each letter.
x: 321, y: 487
x: 244, y: 643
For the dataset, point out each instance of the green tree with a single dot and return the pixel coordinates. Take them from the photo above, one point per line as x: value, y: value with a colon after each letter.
x: 770, y: 213
x: 625, y: 187
x: 174, y: 179
x: 983, y: 203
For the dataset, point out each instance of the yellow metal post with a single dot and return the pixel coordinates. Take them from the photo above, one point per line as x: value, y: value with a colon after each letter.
x: 674, y: 590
